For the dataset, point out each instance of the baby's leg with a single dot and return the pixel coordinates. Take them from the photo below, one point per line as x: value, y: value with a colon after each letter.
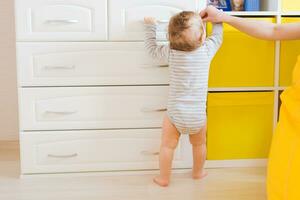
x: 199, y: 153
x: 170, y: 137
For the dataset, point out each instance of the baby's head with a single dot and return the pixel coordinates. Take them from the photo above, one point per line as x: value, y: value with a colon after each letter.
x: 186, y: 31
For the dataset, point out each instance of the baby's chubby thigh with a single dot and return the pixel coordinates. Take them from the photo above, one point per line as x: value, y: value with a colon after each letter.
x: 199, y: 138
x: 170, y: 136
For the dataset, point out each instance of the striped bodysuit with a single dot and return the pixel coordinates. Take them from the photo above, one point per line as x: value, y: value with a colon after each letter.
x: 189, y: 73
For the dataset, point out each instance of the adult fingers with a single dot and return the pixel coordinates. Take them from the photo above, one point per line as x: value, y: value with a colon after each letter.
x: 203, y: 13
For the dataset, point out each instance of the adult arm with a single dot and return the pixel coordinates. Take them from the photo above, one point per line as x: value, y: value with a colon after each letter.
x: 259, y: 29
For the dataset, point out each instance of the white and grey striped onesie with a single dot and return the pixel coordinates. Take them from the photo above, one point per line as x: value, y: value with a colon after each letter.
x: 189, y: 73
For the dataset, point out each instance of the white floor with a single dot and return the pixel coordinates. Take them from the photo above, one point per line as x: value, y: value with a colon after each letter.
x: 221, y: 184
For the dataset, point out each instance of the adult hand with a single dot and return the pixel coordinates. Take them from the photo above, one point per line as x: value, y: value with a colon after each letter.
x: 212, y: 14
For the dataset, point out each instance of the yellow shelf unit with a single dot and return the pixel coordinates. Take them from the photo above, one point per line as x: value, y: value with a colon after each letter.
x: 229, y: 83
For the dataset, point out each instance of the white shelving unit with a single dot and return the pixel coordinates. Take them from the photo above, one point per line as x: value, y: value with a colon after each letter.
x: 291, y: 13
x: 253, y: 13
x: 269, y: 8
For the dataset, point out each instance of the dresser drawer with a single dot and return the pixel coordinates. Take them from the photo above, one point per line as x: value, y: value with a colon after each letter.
x: 106, y: 150
x: 67, y: 64
x: 92, y: 107
x: 126, y: 17
x: 61, y: 20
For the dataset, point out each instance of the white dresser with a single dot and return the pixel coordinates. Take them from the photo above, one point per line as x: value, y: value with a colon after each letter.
x: 90, y: 98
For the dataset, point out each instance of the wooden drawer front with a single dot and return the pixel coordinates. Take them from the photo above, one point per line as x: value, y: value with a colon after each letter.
x: 61, y: 20
x: 64, y: 64
x: 126, y: 17
x: 106, y: 150
x: 92, y: 107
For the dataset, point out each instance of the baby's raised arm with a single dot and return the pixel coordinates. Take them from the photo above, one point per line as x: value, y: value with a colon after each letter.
x: 159, y: 52
x: 215, y: 41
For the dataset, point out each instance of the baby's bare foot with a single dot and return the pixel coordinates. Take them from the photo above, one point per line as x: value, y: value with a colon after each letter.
x: 161, y: 181
x: 200, y: 175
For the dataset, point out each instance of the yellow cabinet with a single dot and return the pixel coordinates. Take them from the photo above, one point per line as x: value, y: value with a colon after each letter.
x: 290, y: 5
x: 288, y: 55
x: 243, y: 61
x: 240, y: 125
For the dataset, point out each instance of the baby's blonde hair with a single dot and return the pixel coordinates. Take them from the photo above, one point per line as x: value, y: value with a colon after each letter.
x: 185, y: 31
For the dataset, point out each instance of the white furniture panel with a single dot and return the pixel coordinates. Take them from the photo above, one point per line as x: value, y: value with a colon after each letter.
x: 86, y: 63
x: 126, y: 17
x: 92, y: 108
x: 61, y: 20
x: 105, y: 150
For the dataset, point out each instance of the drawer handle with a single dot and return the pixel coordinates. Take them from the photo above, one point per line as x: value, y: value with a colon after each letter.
x: 49, y: 67
x: 61, y: 112
x: 163, y: 21
x: 163, y: 66
x: 154, y: 110
x: 63, y: 156
x: 148, y: 153
x: 151, y: 66
x: 61, y: 21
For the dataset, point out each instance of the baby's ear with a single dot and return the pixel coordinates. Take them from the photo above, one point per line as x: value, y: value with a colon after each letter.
x: 203, y: 36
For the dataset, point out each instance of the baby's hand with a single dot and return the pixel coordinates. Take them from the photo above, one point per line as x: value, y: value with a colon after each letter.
x: 150, y: 20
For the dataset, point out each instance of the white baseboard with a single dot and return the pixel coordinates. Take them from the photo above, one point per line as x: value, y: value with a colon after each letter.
x: 236, y: 163
x: 115, y: 173
x: 251, y: 163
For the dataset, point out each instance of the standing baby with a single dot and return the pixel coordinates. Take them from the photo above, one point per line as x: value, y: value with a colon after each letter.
x: 189, y: 54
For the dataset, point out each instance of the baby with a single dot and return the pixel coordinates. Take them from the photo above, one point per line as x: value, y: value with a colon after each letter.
x: 189, y: 55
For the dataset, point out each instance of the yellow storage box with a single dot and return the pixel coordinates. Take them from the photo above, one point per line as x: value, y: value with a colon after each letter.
x: 288, y: 55
x: 290, y: 5
x: 240, y: 125
x: 243, y: 61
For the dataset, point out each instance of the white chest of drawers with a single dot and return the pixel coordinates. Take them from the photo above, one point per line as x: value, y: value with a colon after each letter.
x: 90, y: 98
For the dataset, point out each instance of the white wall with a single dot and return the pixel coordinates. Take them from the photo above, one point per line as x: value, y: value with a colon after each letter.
x: 8, y: 86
